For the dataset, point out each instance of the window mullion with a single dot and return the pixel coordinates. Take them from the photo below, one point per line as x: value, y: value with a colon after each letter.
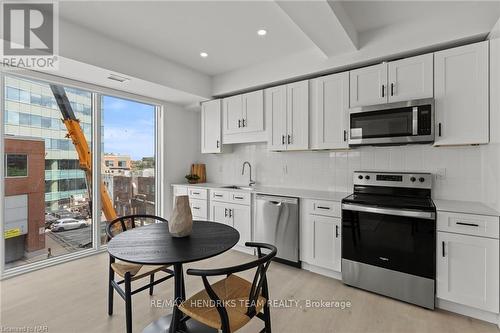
x: 96, y: 170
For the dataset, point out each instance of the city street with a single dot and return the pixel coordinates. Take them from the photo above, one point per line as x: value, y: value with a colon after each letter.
x: 73, y: 239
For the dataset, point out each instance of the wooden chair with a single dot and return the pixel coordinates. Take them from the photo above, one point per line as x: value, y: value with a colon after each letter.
x: 229, y: 304
x: 128, y: 271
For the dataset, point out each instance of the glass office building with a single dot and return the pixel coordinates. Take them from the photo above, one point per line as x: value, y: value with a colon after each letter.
x: 32, y: 111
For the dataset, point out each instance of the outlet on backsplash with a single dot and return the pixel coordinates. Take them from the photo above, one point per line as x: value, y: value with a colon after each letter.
x: 441, y: 173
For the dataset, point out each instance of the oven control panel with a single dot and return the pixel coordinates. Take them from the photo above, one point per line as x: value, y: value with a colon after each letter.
x: 393, y: 179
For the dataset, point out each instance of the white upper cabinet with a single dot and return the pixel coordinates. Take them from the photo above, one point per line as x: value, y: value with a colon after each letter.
x: 329, y: 116
x: 461, y: 95
x: 467, y: 270
x: 253, y: 112
x: 287, y: 113
x: 233, y: 114
x: 298, y: 115
x: 368, y: 85
x: 211, y: 127
x: 395, y: 81
x: 243, y: 118
x: 411, y: 78
x: 275, y: 106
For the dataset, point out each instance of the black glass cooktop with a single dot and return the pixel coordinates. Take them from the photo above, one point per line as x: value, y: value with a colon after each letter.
x: 389, y: 201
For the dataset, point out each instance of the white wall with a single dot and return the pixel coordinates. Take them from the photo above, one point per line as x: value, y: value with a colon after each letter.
x: 491, y: 161
x: 181, y: 139
x: 333, y: 170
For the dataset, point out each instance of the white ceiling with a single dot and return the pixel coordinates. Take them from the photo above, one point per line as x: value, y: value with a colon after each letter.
x: 179, y: 30
x: 372, y: 15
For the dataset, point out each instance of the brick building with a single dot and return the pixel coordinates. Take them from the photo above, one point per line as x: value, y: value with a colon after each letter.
x: 24, y: 195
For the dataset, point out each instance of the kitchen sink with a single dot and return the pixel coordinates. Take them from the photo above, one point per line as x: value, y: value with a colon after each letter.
x: 236, y: 187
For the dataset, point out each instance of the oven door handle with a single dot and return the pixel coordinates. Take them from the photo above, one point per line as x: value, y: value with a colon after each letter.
x: 390, y: 211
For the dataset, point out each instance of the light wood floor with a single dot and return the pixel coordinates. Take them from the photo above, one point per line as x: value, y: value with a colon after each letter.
x: 72, y: 297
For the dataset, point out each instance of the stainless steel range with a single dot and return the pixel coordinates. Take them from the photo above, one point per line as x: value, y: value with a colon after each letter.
x: 389, y: 236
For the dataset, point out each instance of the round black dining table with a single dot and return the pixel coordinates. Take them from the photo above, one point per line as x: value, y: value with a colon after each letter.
x: 154, y: 245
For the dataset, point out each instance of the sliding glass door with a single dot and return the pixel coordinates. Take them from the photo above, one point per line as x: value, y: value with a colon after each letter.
x: 48, y: 178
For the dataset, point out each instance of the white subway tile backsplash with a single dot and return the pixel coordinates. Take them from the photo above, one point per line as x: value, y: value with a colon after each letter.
x: 330, y: 170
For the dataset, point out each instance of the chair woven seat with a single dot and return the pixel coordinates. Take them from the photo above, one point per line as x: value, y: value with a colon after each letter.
x: 136, y: 271
x: 233, y: 291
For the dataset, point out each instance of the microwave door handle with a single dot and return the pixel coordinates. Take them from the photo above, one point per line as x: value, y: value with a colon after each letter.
x: 390, y: 211
x: 415, y: 121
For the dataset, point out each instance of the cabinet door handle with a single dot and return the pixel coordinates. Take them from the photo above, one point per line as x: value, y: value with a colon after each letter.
x: 439, y: 129
x: 442, y: 249
x: 230, y: 213
x: 239, y: 123
x: 345, y: 135
x: 283, y: 139
x: 336, y: 231
x: 196, y: 193
x: 243, y: 122
x: 468, y: 224
x: 218, y: 144
x: 323, y: 207
x: 383, y: 90
x: 197, y: 208
x: 239, y: 198
x: 225, y: 212
x: 218, y: 195
x: 289, y: 139
x: 392, y: 89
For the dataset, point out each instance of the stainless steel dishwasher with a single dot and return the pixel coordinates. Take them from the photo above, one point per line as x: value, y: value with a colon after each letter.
x: 277, y: 223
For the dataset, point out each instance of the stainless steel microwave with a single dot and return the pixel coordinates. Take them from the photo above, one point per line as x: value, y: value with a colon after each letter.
x: 394, y: 123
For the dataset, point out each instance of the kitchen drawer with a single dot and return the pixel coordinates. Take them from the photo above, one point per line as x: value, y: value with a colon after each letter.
x: 218, y: 195
x: 468, y: 224
x: 324, y: 207
x: 198, y: 193
x: 180, y: 190
x: 241, y: 198
x: 198, y: 208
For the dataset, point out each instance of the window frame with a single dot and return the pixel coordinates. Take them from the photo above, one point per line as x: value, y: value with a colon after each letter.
x: 97, y: 92
x: 6, y: 168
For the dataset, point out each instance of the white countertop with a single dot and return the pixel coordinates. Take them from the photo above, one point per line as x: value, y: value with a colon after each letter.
x: 284, y: 191
x: 468, y: 207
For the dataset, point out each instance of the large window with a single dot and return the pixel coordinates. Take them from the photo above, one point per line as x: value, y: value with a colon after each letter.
x: 128, y: 168
x: 42, y: 165
x: 45, y: 179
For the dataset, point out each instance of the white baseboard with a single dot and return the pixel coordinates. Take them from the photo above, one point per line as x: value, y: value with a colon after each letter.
x: 322, y: 271
x: 490, y: 317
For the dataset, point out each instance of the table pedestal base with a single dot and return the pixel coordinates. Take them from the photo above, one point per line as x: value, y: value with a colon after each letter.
x: 163, y: 325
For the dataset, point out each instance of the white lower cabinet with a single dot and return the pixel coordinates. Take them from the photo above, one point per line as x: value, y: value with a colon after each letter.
x: 468, y: 270
x: 237, y: 216
x: 320, y: 241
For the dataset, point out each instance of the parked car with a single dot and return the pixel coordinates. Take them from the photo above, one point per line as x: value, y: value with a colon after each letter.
x: 67, y: 224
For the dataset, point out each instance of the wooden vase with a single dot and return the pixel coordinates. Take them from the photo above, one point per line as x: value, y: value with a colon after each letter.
x: 181, y: 223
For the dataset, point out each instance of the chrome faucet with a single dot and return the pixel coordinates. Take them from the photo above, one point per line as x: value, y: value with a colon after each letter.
x: 250, y: 181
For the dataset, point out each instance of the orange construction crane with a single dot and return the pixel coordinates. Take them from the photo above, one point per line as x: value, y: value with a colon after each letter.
x: 76, y: 135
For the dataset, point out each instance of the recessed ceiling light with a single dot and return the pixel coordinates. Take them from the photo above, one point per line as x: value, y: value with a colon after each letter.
x: 261, y: 32
x: 203, y: 54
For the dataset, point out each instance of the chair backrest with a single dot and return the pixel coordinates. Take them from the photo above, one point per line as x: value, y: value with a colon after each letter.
x: 259, y: 283
x: 123, y: 223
